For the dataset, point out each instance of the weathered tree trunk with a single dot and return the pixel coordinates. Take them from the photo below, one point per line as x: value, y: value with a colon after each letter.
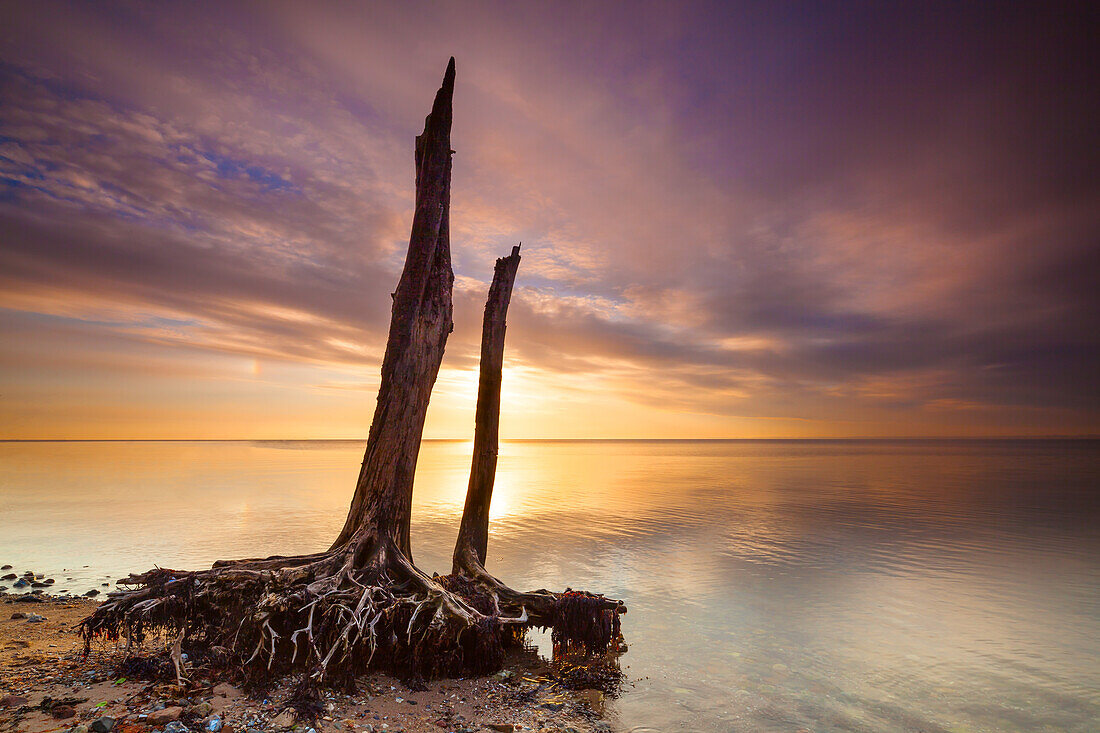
x: 419, y: 326
x: 362, y: 603
x: 579, y: 619
x: 473, y: 534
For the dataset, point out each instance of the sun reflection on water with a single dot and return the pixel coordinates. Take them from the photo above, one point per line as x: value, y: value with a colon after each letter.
x: 772, y: 585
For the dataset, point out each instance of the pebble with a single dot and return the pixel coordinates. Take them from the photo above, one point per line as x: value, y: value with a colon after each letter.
x: 103, y: 725
x: 34, y: 618
x: 212, y: 724
x: 62, y: 711
x: 285, y: 719
x: 166, y: 715
x: 18, y: 615
x: 175, y: 727
x: 92, y: 593
x: 201, y: 710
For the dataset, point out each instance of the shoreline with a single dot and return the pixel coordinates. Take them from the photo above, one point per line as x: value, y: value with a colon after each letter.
x: 48, y: 686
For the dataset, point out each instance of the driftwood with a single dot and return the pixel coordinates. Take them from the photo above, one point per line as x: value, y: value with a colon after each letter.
x: 363, y: 604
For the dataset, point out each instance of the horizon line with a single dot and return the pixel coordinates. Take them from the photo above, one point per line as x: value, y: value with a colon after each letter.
x: 1083, y: 436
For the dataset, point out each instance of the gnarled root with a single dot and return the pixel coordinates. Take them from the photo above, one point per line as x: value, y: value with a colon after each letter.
x: 324, y: 616
x: 338, y: 614
x: 580, y: 621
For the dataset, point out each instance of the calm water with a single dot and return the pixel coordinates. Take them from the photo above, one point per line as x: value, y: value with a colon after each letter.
x: 772, y: 586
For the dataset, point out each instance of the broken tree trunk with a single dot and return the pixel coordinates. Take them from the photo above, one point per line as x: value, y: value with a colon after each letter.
x: 473, y: 534
x: 362, y: 604
x: 419, y: 326
x: 581, y: 619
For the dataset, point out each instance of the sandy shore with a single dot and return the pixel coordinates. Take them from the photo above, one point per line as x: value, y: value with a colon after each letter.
x: 46, y: 684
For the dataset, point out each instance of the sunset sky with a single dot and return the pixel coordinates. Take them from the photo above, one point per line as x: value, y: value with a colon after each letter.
x: 738, y: 220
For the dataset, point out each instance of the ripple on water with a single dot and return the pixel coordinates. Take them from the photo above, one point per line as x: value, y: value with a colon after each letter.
x: 836, y: 586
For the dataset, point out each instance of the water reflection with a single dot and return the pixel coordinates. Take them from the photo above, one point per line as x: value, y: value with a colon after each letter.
x: 832, y: 586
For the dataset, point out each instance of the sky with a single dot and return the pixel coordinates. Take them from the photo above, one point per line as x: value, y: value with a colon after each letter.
x: 739, y: 220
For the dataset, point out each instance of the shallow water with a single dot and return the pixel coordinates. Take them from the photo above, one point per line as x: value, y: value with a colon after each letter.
x: 772, y: 585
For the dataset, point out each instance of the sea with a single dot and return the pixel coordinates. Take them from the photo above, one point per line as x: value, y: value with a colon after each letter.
x: 787, y: 585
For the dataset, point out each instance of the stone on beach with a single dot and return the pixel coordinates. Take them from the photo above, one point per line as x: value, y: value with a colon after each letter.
x: 103, y: 725
x: 62, y: 711
x: 167, y: 715
x: 285, y: 719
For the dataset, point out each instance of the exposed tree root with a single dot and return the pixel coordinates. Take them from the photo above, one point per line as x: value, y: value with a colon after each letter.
x: 336, y: 620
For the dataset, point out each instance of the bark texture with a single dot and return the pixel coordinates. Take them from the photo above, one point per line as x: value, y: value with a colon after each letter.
x: 419, y: 326
x: 580, y: 621
x: 473, y: 534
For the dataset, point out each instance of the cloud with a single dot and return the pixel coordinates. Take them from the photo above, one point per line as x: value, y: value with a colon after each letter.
x: 882, y: 218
